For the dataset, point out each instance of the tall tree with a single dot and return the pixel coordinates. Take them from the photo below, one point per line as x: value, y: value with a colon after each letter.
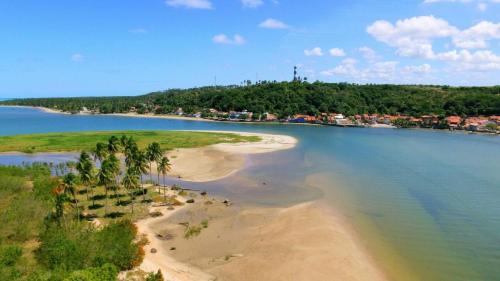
x: 163, y: 167
x: 113, y: 145
x: 70, y: 188
x: 141, y: 164
x: 100, y: 152
x: 114, y: 163
x: 154, y: 154
x: 131, y: 181
x: 105, y: 178
x: 85, y: 168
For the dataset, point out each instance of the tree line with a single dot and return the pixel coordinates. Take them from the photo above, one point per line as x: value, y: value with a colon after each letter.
x: 289, y: 98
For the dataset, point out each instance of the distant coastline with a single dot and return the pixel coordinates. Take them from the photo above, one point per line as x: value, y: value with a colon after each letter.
x: 191, y: 118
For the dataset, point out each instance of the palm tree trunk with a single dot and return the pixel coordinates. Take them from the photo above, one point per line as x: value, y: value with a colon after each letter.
x: 132, y: 201
x: 77, y: 209
x: 106, y: 201
x: 93, y: 196
x: 158, y: 182
x: 151, y: 173
x: 164, y: 189
x: 143, y: 191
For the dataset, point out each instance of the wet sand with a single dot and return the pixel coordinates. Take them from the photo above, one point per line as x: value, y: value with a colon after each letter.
x: 308, y: 241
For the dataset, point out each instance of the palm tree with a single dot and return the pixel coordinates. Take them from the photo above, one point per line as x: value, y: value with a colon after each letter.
x: 141, y: 164
x: 115, y: 171
x: 131, y: 181
x: 85, y: 168
x: 154, y: 154
x: 106, y: 178
x: 100, y: 152
x: 130, y: 150
x: 70, y: 187
x: 164, y: 166
x: 113, y: 145
x: 59, y: 199
x: 124, y: 141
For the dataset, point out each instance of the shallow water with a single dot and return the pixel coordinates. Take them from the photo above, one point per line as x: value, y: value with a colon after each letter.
x: 426, y: 203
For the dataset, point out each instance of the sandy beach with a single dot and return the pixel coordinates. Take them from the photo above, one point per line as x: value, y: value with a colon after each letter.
x: 303, y: 242
x: 221, y: 160
x: 308, y: 241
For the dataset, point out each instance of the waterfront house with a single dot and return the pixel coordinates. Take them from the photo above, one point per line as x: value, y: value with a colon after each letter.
x: 430, y: 120
x: 179, y: 111
x: 495, y: 119
x: 269, y: 117
x: 453, y: 121
x: 416, y: 121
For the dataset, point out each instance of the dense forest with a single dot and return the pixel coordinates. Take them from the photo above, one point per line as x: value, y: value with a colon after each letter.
x: 289, y: 98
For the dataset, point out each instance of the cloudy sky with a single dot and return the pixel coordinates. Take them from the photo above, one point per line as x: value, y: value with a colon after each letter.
x: 130, y: 47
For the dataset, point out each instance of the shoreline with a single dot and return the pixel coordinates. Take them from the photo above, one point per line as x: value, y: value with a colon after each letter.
x: 176, y: 117
x: 251, y: 242
x: 207, y: 163
x: 316, y: 241
x: 247, y: 242
x: 218, y: 161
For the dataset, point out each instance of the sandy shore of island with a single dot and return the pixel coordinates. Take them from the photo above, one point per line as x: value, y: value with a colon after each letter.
x: 303, y: 242
x: 218, y: 161
x: 308, y: 241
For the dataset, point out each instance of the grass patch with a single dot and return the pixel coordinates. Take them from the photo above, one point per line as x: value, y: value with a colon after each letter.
x: 192, y: 231
x: 78, y: 141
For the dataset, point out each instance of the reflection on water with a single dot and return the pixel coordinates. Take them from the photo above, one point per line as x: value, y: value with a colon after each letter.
x: 49, y: 158
x: 426, y: 203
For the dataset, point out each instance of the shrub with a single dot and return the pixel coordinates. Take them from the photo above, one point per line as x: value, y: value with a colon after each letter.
x: 9, y: 255
x: 107, y: 272
x: 155, y: 276
x: 192, y: 231
x: 115, y: 244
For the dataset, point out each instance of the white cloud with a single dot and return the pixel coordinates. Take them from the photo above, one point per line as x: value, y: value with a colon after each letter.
x: 314, y: 52
x: 465, y: 60
x: 77, y: 57
x: 385, y: 70
x: 224, y: 39
x: 336, y: 52
x: 412, y: 37
x: 138, y: 30
x: 482, y: 7
x: 476, y: 37
x: 273, y: 24
x: 252, y: 3
x: 190, y: 4
x: 419, y: 69
x: 369, y: 54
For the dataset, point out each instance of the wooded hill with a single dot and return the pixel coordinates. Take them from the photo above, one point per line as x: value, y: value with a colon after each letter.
x: 289, y: 98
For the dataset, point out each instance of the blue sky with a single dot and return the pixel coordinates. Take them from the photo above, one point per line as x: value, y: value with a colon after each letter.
x: 130, y: 47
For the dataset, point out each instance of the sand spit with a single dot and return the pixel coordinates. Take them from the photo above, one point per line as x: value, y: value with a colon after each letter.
x: 303, y: 242
x: 221, y: 160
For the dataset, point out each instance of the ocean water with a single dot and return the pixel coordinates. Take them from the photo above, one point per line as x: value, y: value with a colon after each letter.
x: 427, y: 204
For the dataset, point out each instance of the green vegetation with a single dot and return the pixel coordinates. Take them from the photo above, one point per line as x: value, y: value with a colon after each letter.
x: 491, y: 127
x: 192, y: 231
x: 289, y: 98
x: 78, y: 226
x: 41, y: 240
x: 64, y: 142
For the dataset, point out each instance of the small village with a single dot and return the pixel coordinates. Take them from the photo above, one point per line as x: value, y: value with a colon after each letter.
x: 484, y: 124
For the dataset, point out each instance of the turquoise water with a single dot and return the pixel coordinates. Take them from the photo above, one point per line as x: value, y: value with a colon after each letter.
x: 426, y: 203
